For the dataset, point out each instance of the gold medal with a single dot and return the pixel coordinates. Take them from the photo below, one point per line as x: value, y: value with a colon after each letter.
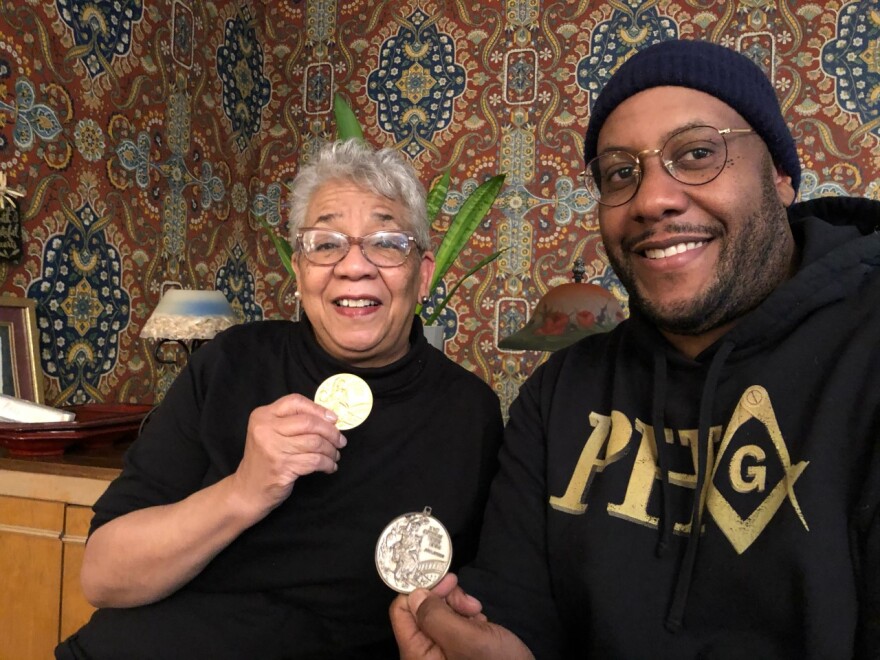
x: 414, y: 551
x: 348, y: 396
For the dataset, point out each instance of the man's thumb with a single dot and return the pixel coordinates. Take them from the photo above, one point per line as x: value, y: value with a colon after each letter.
x: 416, y: 598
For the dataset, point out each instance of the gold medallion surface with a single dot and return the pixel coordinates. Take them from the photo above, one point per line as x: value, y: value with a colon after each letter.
x: 414, y: 551
x: 348, y: 396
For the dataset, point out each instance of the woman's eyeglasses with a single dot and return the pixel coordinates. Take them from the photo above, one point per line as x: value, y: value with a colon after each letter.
x: 384, y: 249
x: 693, y: 156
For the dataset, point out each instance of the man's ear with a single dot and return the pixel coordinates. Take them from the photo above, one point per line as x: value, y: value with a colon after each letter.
x: 784, y: 189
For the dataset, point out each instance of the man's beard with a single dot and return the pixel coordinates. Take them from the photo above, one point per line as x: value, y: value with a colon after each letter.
x: 748, y: 270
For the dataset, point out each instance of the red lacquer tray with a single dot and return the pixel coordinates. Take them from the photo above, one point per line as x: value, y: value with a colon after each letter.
x: 96, y: 425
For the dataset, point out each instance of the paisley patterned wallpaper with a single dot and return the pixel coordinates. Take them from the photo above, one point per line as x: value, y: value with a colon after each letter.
x: 151, y: 136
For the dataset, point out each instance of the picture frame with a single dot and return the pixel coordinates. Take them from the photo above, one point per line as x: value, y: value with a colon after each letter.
x: 21, y: 374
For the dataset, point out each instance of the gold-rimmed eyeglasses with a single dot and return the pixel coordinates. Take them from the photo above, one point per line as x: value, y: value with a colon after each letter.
x: 326, y: 247
x: 693, y: 156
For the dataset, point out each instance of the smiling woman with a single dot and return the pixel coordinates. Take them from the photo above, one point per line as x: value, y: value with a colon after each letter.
x: 244, y: 524
x: 360, y: 302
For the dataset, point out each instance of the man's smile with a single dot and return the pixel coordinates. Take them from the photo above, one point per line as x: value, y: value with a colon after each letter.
x: 672, y: 250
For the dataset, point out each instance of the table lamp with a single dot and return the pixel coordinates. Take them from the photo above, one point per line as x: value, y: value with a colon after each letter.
x: 565, y: 314
x: 189, y: 318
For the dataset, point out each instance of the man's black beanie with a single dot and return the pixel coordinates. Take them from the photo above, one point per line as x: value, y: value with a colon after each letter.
x: 723, y: 73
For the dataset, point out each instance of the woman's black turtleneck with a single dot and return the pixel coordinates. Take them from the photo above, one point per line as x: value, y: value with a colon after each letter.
x: 302, y: 582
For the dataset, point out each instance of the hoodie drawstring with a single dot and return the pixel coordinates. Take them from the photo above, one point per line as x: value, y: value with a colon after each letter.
x: 675, y: 615
x: 659, y: 425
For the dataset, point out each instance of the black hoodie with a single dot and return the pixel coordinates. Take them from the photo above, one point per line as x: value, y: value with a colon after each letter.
x: 588, y: 548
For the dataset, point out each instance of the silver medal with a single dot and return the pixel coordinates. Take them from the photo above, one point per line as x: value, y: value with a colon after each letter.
x: 414, y: 551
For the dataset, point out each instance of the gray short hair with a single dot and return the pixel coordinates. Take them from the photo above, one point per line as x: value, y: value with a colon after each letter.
x: 383, y: 171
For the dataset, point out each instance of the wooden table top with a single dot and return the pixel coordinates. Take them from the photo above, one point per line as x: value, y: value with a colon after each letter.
x: 104, y: 463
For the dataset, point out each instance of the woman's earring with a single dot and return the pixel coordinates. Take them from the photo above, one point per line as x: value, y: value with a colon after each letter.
x: 297, y: 294
x: 426, y: 300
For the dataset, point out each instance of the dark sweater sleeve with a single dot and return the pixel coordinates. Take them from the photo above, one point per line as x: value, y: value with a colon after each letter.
x: 166, y: 463
x: 510, y: 574
x: 866, y: 544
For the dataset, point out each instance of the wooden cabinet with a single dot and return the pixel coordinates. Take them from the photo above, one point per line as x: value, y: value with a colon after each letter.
x: 45, y: 510
x: 30, y: 565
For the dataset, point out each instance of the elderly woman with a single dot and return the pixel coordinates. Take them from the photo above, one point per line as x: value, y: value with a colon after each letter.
x: 244, y: 523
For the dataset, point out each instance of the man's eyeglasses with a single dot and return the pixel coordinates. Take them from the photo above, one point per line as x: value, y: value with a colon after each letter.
x: 384, y: 249
x: 693, y: 156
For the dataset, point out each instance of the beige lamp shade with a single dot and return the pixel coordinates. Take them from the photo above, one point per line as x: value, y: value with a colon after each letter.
x: 565, y: 314
x: 185, y: 314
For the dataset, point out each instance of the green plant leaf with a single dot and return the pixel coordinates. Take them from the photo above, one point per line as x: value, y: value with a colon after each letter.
x: 437, y: 195
x: 463, y: 225
x: 432, y: 318
x: 347, y: 125
x: 285, y: 250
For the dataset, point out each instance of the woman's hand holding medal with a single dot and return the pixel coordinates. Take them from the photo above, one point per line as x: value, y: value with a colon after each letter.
x: 287, y: 439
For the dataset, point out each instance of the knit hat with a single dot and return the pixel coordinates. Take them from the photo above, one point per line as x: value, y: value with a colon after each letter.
x: 725, y: 74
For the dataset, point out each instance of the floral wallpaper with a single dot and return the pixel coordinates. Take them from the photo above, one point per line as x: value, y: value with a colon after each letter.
x: 153, y: 137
